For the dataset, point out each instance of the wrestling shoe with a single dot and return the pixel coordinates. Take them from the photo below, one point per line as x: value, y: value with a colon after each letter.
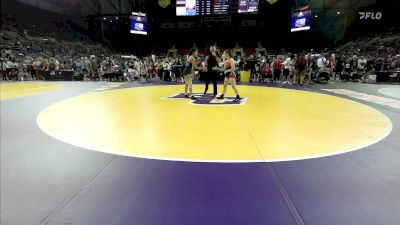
x: 237, y: 99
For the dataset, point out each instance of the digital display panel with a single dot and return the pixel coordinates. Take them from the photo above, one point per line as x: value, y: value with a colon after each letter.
x: 215, y: 7
x: 138, y: 23
x: 301, y: 20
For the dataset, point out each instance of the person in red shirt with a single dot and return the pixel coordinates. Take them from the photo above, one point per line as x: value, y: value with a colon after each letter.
x: 277, y: 69
x: 266, y: 72
x: 230, y: 75
x: 330, y: 65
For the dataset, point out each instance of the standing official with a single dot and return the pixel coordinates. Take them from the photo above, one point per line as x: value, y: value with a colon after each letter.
x: 212, y: 60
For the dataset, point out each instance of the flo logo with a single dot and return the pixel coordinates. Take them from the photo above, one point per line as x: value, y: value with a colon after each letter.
x: 370, y: 15
x: 209, y: 100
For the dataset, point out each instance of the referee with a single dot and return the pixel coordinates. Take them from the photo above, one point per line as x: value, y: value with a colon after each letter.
x: 212, y: 60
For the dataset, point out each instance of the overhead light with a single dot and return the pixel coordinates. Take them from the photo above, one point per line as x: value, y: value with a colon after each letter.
x: 116, y: 18
x: 338, y: 12
x: 316, y: 16
x: 104, y: 18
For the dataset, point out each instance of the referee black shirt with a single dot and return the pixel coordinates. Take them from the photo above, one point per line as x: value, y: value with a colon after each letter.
x: 212, y: 61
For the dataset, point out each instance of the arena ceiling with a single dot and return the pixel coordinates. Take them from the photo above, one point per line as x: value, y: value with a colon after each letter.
x: 93, y: 7
x: 87, y: 7
x: 339, y: 4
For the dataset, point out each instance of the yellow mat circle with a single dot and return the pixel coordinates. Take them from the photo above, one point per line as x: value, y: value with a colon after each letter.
x: 22, y: 89
x: 274, y: 125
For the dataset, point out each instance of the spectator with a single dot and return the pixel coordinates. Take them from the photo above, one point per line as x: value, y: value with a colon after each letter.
x: 338, y: 68
x: 287, y: 66
x: 277, y: 68
x: 300, y: 68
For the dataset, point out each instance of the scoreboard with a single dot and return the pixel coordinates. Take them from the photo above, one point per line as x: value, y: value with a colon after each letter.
x: 215, y: 7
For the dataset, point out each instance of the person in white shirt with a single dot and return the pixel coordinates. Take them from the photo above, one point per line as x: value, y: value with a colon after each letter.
x: 8, y: 66
x: 169, y: 69
x: 136, y: 65
x: 292, y: 70
x: 361, y: 63
x: 286, y: 67
x: 165, y: 69
x: 56, y: 65
x: 321, y: 62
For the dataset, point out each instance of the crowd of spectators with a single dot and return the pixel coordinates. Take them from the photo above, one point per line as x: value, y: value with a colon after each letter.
x: 353, y: 61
